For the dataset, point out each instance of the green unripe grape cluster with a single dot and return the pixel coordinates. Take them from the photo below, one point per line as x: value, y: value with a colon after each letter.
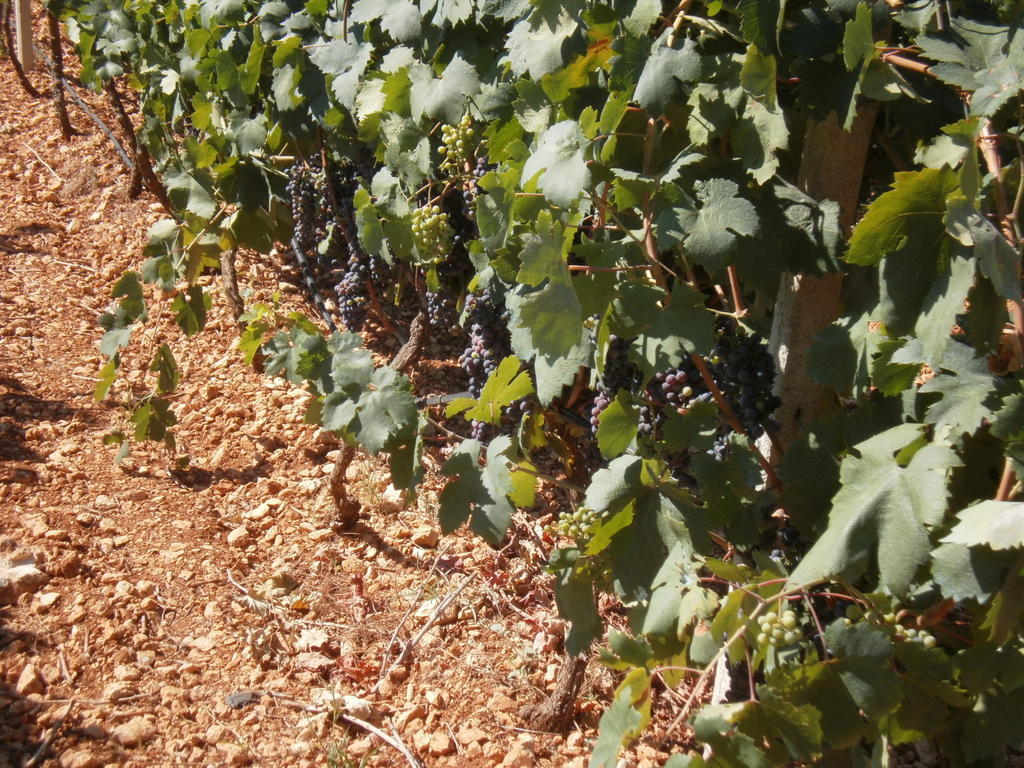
x: 912, y: 635
x: 431, y: 233
x: 779, y: 629
x: 578, y: 524
x: 458, y: 145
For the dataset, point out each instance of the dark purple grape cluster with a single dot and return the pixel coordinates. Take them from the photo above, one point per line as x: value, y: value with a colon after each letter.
x: 326, y: 240
x: 619, y: 374
x: 489, y: 338
x: 442, y: 313
x: 744, y: 370
x: 676, y: 389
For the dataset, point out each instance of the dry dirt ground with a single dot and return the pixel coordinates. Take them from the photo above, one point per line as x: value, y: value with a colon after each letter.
x: 214, y: 616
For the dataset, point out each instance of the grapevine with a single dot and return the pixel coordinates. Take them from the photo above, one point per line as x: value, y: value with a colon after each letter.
x: 769, y: 252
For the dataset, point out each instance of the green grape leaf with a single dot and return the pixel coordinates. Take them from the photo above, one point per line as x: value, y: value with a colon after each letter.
x: 858, y: 39
x: 882, y: 511
x: 478, y: 494
x: 188, y: 193
x: 444, y: 97
x: 819, y: 685
x: 616, y: 485
x: 537, y: 46
x: 968, y: 397
x: 681, y: 329
x: 625, y: 718
x: 543, y: 252
x: 906, y: 220
x: 773, y: 719
x: 810, y: 474
x: 345, y: 61
x: 508, y: 383
x: 939, y: 310
x: 953, y: 147
x: 166, y: 368
x: 399, y: 18
x: 990, y: 727
x: 574, y: 596
x: 617, y: 426
x: 387, y: 411
x: 286, y: 88
x: 643, y: 15
x: 994, y: 524
x: 759, y: 135
x: 190, y: 310
x: 758, y: 76
x: 664, y: 70
x: 969, y: 573
x: 997, y: 259
x: 724, y: 217
x: 761, y: 21
x: 546, y: 321
x: 558, y: 157
x: 128, y: 288
x: 153, y: 419
x: 714, y: 725
x: 863, y: 659
x: 977, y: 57
x: 105, y: 379
x: 553, y: 372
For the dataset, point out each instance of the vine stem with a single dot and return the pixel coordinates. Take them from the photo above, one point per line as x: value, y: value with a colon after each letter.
x: 737, y: 295
x: 586, y: 268
x: 817, y: 624
x: 650, y: 244
x: 988, y: 144
x: 905, y: 62
x: 730, y: 418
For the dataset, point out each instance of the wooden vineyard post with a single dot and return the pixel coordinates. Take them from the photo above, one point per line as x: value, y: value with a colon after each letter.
x: 23, y: 33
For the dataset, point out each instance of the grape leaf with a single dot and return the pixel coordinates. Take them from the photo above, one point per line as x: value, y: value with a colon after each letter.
x: 614, y: 486
x: 772, y: 719
x: 761, y: 21
x: 574, y: 596
x: 543, y: 252
x: 989, y: 728
x: 508, y: 383
x: 882, y: 510
x: 969, y: 392
x: 399, y: 18
x: 623, y: 721
x: 759, y: 135
x: 166, y: 368
x: 841, y: 354
x: 444, y: 97
x: 907, y: 219
x: 939, y: 310
x: 617, y: 426
x: 966, y: 573
x: 723, y: 218
x: 558, y: 157
x: 153, y: 419
x: 665, y: 68
x: 863, y: 659
x: 387, y: 411
x: 538, y: 46
x: 475, y: 493
x: 345, y: 61
x: 679, y: 330
x: 978, y: 57
x: 546, y: 321
x: 994, y: 524
x: 190, y: 312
